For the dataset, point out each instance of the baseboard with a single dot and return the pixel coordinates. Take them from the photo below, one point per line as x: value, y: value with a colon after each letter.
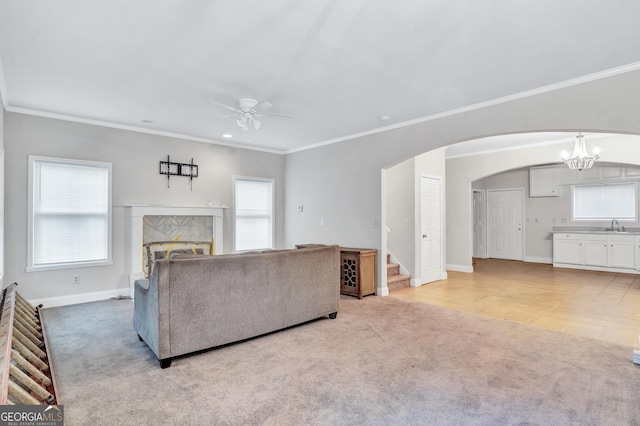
x: 459, y: 268
x: 596, y: 268
x: 417, y: 282
x: 382, y: 291
x: 73, y: 299
x: 534, y: 259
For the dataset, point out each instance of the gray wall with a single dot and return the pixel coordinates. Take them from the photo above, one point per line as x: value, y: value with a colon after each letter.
x: 461, y: 172
x: 431, y: 164
x: 401, y: 214
x: 403, y: 208
x: 342, y: 182
x: 542, y: 214
x: 538, y: 213
x: 135, y: 158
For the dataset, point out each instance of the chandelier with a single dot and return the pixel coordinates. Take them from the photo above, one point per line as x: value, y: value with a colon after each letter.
x: 581, y: 159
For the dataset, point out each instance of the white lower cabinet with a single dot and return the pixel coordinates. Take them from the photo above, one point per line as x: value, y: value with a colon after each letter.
x: 567, y: 248
x: 597, y: 251
x: 622, y: 252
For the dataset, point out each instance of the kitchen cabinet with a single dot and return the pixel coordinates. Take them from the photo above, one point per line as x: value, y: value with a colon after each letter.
x: 597, y: 251
x: 567, y: 248
x: 543, y: 182
x: 622, y: 251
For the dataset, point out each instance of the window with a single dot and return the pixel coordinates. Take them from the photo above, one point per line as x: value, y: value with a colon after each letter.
x: 605, y: 202
x: 253, y: 213
x: 69, y: 213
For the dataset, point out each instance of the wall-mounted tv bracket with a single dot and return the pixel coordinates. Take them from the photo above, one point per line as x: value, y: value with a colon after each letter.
x: 189, y: 170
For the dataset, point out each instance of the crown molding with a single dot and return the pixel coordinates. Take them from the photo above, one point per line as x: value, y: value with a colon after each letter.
x: 93, y: 122
x: 497, y: 101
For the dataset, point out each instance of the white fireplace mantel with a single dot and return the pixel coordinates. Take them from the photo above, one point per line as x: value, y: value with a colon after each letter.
x: 134, y: 226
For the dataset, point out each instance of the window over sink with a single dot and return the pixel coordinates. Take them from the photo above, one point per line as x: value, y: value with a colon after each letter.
x: 604, y: 202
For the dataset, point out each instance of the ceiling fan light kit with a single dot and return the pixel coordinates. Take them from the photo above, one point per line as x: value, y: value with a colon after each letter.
x: 249, y: 112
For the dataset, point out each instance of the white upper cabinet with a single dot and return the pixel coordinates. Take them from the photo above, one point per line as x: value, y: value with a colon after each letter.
x: 543, y: 182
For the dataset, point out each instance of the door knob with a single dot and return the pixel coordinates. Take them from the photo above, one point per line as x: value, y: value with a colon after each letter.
x: 424, y: 235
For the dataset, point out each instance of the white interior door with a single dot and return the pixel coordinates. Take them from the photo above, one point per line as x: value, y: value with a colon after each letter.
x: 504, y: 224
x: 431, y: 229
x: 479, y: 230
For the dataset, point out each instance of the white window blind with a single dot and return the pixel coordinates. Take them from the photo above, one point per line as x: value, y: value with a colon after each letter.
x: 605, y: 202
x: 253, y: 214
x: 71, y: 212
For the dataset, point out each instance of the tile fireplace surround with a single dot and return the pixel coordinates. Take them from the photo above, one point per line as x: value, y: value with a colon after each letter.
x: 134, y: 239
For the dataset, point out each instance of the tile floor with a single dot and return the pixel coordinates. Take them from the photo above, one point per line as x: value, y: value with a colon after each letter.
x: 600, y: 305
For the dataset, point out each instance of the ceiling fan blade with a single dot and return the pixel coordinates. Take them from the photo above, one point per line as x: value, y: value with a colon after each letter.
x: 278, y: 115
x: 224, y: 116
x: 262, y: 105
x: 226, y: 106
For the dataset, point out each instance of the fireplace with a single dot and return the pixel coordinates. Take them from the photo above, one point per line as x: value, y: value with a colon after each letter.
x: 151, y: 223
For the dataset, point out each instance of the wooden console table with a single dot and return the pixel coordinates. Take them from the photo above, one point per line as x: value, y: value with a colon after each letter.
x: 359, y: 271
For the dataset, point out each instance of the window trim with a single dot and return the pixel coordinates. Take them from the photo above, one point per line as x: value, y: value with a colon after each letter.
x: 273, y: 209
x: 626, y: 220
x: 30, y: 216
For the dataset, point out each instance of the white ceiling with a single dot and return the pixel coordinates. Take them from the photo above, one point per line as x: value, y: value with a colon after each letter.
x: 335, y: 66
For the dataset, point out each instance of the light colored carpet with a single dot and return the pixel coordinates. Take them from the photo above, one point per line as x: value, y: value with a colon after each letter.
x: 383, y: 361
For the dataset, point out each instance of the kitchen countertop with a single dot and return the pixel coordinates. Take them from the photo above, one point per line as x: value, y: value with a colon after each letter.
x: 582, y: 230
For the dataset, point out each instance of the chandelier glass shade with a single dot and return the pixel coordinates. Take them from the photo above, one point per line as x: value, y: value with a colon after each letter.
x: 581, y: 159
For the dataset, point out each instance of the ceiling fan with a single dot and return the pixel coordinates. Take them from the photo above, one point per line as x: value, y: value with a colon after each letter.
x: 248, y: 112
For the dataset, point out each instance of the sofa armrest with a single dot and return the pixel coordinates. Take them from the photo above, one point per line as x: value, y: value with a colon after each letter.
x: 143, y: 284
x: 146, y: 315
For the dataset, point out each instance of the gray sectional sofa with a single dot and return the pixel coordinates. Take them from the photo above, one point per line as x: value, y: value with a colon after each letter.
x: 191, y: 303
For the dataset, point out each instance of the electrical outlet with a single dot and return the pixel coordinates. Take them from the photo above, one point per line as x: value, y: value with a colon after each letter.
x: 76, y: 279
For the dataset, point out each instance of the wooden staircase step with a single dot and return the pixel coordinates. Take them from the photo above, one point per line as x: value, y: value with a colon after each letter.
x: 398, y: 281
x: 395, y: 279
x: 393, y: 269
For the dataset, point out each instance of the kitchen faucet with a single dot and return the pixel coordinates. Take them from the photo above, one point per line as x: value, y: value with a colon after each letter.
x: 617, y: 223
